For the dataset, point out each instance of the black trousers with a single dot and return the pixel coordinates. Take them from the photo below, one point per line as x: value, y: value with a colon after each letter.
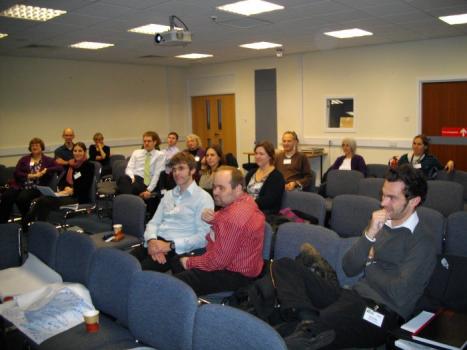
x: 206, y: 282
x: 45, y: 205
x: 125, y: 186
x: 22, y: 198
x: 339, y: 309
x: 173, y: 261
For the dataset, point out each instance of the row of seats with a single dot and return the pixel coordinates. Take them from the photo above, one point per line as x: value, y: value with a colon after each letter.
x: 138, y: 308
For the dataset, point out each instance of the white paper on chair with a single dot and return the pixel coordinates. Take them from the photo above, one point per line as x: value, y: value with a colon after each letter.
x: 48, y: 311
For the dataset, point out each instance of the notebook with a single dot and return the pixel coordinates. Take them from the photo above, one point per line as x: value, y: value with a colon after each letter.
x: 47, y: 191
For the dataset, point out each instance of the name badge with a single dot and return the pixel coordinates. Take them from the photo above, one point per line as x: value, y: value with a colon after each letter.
x: 76, y: 175
x: 374, y: 317
x: 417, y: 166
x: 197, y: 158
x: 287, y: 161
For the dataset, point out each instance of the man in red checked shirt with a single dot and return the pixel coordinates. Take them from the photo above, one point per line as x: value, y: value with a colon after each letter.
x: 233, y: 255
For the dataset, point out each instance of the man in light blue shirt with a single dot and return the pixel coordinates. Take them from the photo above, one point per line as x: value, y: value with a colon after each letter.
x: 176, y: 228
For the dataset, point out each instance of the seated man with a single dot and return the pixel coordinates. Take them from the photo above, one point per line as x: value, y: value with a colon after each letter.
x: 177, y: 227
x: 233, y: 255
x: 396, y: 254
x: 143, y: 171
x: 64, y: 153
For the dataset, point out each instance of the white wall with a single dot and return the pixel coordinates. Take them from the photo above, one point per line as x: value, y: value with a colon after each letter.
x: 39, y: 97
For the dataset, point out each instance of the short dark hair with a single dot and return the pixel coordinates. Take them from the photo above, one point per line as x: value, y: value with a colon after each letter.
x: 36, y: 140
x: 155, y: 137
x: 413, y: 179
x: 174, y: 134
x: 237, y: 176
x: 81, y: 145
x: 269, y: 148
x: 183, y: 157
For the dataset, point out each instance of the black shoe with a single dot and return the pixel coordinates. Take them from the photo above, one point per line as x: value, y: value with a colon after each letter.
x: 305, y: 337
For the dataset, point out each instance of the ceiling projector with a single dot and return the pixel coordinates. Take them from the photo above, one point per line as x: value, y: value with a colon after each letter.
x: 173, y: 38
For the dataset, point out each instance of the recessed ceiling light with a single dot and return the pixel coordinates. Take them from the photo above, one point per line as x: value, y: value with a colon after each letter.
x: 455, y: 19
x: 31, y: 13
x: 250, y: 7
x: 261, y: 45
x: 89, y: 45
x: 348, y: 33
x: 152, y: 29
x: 2, y: 35
x: 194, y: 56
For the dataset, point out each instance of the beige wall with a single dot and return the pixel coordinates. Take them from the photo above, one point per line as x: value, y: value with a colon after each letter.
x: 39, y: 97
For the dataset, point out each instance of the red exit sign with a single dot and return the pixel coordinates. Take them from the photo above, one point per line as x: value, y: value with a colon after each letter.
x: 454, y: 131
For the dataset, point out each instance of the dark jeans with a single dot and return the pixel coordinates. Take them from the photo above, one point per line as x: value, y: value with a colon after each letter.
x: 339, y: 309
x: 22, y: 198
x: 45, y: 205
x: 206, y: 282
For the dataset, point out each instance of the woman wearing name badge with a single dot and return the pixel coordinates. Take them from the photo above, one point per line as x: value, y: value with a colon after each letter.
x: 420, y: 158
x: 31, y: 170
x: 74, y: 186
x: 350, y: 160
x: 194, y: 147
x: 212, y: 160
x: 292, y: 164
x: 265, y: 184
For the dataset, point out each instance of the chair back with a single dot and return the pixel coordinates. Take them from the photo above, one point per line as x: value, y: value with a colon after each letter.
x: 447, y: 197
x: 161, y: 311
x: 10, y: 245
x: 118, y: 168
x: 310, y: 203
x: 351, y: 213
x: 456, y: 234
x: 223, y: 327
x: 109, y: 282
x: 130, y: 211
x: 267, y: 243
x: 370, y: 187
x: 114, y: 157
x: 74, y: 254
x: 376, y: 170
x: 436, y: 222
x: 458, y: 176
x: 342, y: 182
x: 97, y: 176
x: 42, y: 242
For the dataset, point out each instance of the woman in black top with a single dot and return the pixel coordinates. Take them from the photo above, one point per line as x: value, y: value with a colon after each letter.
x: 100, y: 153
x: 266, y: 184
x: 75, y: 185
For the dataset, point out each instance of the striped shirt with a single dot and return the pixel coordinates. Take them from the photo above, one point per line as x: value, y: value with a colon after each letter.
x: 235, y: 242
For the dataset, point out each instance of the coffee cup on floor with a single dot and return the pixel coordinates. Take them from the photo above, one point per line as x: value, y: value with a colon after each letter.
x: 117, y: 229
x: 91, y: 320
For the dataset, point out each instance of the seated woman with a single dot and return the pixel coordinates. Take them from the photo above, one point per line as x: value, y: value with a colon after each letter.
x: 350, y: 160
x: 420, y: 158
x: 100, y: 153
x: 31, y: 170
x: 265, y: 184
x: 195, y: 148
x: 292, y: 164
x: 74, y: 186
x: 212, y: 160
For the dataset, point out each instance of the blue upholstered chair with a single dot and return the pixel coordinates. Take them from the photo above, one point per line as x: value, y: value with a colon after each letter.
x: 436, y: 222
x: 376, y: 170
x: 10, y: 246
x: 370, y: 187
x: 161, y: 311
x: 456, y: 234
x: 341, y: 182
x: 307, y: 202
x: 351, y: 213
x: 447, y: 197
x: 219, y: 327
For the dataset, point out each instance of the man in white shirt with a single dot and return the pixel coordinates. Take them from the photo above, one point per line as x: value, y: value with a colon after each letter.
x: 176, y: 228
x: 167, y: 179
x: 143, y: 171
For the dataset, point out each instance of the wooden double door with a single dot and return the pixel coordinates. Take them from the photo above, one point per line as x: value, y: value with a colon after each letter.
x: 214, y: 121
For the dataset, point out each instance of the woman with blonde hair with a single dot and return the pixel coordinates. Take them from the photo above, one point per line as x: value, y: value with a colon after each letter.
x: 194, y: 146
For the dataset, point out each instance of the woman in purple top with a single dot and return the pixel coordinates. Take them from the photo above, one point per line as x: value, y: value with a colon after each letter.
x: 31, y: 170
x: 350, y: 160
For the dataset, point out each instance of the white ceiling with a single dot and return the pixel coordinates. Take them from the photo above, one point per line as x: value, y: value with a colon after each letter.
x: 299, y: 27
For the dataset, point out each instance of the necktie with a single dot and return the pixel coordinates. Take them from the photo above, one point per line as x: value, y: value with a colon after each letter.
x: 147, y: 169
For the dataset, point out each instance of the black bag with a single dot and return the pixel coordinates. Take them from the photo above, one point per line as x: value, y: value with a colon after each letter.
x: 447, y: 287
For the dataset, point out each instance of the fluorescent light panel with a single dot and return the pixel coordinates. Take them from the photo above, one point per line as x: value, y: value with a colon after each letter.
x: 3, y: 35
x: 455, y: 19
x: 348, y: 33
x: 194, y: 56
x: 250, y: 7
x: 31, y: 13
x: 89, y: 45
x: 261, y: 45
x: 152, y: 29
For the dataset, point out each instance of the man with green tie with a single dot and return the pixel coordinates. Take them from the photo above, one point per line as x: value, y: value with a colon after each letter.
x: 143, y: 171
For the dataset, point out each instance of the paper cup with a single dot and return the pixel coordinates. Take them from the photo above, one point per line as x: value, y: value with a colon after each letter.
x: 91, y: 320
x: 117, y: 228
